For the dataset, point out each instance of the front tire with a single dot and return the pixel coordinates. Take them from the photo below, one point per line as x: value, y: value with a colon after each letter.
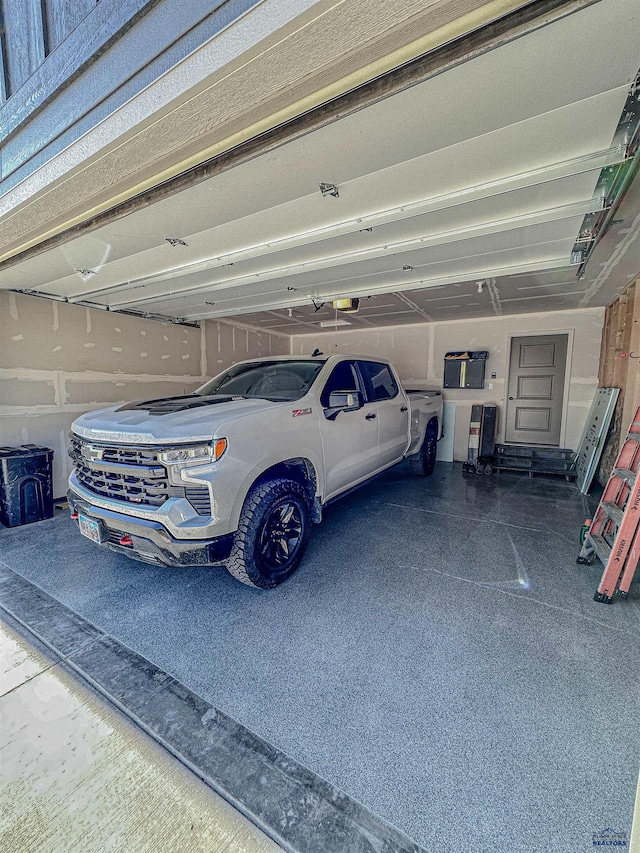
x: 423, y: 463
x: 272, y: 534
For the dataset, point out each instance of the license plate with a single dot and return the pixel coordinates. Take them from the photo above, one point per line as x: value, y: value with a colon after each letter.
x: 90, y: 528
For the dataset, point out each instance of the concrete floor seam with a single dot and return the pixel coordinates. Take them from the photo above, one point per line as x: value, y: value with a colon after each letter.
x: 27, y: 680
x: 36, y: 635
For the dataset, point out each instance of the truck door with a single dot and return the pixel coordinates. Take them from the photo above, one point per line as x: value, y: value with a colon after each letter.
x: 391, y: 408
x: 350, y: 441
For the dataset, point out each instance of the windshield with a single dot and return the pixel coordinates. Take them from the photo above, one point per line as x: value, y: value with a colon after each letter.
x: 270, y: 380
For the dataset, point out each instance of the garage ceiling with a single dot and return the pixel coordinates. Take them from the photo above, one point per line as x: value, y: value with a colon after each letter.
x: 461, y: 196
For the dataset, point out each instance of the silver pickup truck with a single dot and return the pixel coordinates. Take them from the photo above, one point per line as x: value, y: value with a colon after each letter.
x: 236, y: 472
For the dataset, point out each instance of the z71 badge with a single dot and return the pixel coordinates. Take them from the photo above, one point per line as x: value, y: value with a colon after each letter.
x: 297, y: 412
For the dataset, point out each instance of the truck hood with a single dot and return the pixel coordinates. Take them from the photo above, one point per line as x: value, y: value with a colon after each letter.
x: 170, y: 420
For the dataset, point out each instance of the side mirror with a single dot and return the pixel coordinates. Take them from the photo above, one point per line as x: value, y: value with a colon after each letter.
x: 343, y: 401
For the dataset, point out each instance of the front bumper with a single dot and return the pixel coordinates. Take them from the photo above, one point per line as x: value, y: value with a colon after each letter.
x: 150, y: 541
x: 177, y: 516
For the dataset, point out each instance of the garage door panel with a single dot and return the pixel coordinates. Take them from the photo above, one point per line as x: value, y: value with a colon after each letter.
x: 386, y: 270
x: 516, y: 148
x: 531, y: 242
x: 498, y: 115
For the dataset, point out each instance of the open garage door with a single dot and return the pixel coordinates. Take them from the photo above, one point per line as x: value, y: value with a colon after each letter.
x: 473, y: 192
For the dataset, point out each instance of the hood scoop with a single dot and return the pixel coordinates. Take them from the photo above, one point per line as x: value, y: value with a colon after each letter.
x: 171, y: 405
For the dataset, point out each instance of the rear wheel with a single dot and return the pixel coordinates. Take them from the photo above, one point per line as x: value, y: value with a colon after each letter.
x: 423, y: 463
x: 272, y: 534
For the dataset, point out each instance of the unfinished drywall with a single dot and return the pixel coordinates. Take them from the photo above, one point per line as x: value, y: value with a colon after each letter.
x: 418, y: 352
x: 58, y: 361
x: 227, y: 342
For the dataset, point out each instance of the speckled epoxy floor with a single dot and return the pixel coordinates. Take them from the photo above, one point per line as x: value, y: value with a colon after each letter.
x: 438, y: 656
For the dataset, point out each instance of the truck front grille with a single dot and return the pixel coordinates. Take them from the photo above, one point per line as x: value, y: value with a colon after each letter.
x: 131, y: 474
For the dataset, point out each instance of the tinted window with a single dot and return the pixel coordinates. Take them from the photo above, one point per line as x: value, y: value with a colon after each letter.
x: 271, y: 380
x: 343, y: 378
x: 379, y: 380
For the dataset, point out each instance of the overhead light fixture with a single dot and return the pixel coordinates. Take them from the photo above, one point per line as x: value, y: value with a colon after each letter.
x: 175, y: 241
x: 87, y: 273
x: 329, y: 189
x: 577, y: 257
x: 349, y: 306
x: 406, y: 268
x: 480, y: 286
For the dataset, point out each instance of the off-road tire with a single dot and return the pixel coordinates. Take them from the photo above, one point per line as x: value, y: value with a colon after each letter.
x: 423, y: 463
x: 249, y: 561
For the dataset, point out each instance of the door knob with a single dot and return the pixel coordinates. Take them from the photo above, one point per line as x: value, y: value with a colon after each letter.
x: 403, y: 408
x: 370, y: 417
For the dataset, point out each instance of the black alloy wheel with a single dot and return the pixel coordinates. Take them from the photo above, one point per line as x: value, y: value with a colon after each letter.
x: 272, y: 534
x: 280, y: 536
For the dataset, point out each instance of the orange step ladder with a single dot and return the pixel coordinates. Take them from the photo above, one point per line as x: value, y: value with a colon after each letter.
x: 614, y: 533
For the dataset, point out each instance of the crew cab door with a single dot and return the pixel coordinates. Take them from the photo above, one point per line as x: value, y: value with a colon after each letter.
x: 391, y: 407
x: 350, y: 440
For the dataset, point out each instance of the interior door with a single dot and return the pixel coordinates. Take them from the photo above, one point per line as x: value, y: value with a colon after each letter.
x: 536, y: 389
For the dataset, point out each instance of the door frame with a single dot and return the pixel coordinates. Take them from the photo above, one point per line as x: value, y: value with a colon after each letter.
x: 535, y: 333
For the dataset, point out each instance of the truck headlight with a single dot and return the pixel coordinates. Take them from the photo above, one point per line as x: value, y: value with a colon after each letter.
x: 196, y: 453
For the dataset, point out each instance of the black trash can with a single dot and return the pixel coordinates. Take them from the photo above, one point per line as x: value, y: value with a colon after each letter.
x: 26, y: 488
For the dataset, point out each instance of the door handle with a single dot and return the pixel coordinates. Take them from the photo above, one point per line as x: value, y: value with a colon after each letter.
x: 511, y: 398
x: 369, y: 417
x: 403, y: 408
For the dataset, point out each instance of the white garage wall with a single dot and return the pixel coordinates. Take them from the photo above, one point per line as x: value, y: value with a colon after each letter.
x: 58, y: 361
x: 418, y: 353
